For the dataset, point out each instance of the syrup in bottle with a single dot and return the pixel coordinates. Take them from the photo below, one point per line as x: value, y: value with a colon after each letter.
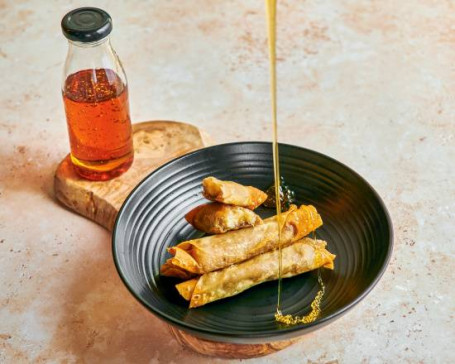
x: 95, y: 95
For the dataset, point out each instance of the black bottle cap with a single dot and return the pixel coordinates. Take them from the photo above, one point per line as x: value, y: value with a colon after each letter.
x: 86, y: 24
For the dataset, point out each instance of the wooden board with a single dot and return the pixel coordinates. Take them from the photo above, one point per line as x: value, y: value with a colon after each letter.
x: 226, y: 350
x: 155, y: 143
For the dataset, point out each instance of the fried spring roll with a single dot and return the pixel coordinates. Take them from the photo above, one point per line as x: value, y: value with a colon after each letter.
x: 302, y: 256
x: 216, y: 218
x: 170, y: 270
x: 214, y: 252
x: 232, y: 193
x: 186, y: 288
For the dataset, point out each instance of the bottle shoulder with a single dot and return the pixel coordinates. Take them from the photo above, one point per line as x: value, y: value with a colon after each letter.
x: 93, y: 58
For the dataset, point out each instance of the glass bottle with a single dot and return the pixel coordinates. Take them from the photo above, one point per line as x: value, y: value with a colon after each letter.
x: 95, y: 95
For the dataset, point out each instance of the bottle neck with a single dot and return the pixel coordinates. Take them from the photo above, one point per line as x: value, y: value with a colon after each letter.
x: 105, y: 42
x: 91, y: 56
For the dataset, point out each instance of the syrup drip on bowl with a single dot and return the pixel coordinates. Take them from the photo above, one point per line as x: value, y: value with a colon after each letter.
x: 277, y: 188
x: 287, y: 196
x: 312, y: 316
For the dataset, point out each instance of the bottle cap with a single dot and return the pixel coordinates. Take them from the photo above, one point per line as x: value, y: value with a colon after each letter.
x: 86, y: 24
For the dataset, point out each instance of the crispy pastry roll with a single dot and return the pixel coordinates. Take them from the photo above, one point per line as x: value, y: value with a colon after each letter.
x: 170, y: 270
x: 214, y: 252
x: 300, y: 257
x: 232, y: 193
x: 216, y: 218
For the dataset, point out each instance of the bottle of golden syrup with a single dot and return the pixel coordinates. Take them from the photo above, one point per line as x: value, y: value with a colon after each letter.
x: 95, y: 95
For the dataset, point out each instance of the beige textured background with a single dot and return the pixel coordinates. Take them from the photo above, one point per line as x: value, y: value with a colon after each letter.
x: 371, y: 83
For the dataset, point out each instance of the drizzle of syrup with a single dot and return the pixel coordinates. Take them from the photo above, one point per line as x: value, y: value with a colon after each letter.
x: 316, y: 304
x: 290, y: 320
x: 287, y: 196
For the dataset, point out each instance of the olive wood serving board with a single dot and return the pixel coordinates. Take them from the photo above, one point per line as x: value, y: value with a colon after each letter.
x: 155, y: 143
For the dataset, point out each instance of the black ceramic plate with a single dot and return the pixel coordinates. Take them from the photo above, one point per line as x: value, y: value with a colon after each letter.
x: 356, y: 226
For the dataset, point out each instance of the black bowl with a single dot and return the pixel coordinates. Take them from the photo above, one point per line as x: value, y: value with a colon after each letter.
x: 356, y: 226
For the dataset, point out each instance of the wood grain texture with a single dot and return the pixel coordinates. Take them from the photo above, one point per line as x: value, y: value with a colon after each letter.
x: 228, y: 350
x: 155, y: 143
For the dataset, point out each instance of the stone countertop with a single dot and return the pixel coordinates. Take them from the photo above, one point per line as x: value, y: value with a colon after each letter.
x: 370, y: 83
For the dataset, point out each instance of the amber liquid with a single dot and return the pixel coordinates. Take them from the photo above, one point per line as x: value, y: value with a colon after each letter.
x: 315, y: 305
x: 99, y: 126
